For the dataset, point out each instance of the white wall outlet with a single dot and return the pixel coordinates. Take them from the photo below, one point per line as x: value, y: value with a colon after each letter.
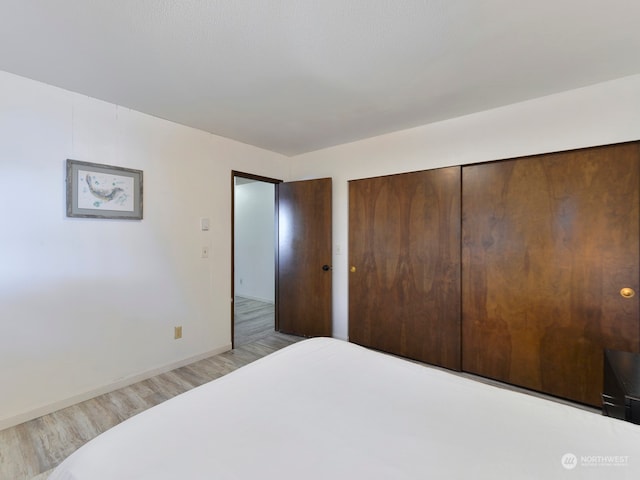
x: 205, y: 252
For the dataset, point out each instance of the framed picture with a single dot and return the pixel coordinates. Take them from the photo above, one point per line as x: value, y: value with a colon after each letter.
x: 103, y: 191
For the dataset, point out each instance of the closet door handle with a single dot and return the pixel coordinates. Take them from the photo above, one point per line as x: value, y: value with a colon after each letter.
x: 326, y: 268
x: 627, y: 292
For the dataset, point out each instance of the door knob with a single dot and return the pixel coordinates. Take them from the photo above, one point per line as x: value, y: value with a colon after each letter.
x: 352, y: 269
x: 627, y: 292
x: 326, y: 268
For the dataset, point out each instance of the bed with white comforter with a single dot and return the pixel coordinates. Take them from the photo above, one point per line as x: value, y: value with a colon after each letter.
x: 328, y: 409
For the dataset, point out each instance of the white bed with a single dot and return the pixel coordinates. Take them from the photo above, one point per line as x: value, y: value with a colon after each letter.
x: 328, y: 409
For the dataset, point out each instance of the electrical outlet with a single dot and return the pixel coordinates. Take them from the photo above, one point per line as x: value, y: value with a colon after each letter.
x: 177, y: 332
x: 205, y: 252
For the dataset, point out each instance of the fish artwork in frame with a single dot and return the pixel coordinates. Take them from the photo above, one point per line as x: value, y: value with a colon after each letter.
x: 103, y: 191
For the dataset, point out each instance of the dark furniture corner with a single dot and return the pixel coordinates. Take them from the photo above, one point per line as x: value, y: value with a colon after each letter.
x: 621, y: 388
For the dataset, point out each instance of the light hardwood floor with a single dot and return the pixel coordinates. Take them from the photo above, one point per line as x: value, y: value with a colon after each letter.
x: 253, y: 320
x: 29, y: 451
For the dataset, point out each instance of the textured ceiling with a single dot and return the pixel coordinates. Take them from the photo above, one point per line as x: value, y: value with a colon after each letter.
x: 299, y: 75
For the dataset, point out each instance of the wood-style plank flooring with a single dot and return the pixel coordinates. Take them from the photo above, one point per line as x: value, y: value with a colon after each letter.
x: 253, y: 320
x: 29, y: 451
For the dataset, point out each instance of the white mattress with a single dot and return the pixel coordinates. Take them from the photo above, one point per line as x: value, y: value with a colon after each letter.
x: 328, y: 409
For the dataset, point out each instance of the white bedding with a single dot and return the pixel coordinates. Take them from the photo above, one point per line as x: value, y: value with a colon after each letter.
x: 328, y: 409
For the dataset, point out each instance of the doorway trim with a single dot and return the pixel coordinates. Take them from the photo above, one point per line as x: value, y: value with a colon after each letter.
x: 259, y: 178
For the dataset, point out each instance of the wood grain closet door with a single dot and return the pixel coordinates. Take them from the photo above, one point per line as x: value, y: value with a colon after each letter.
x: 548, y: 243
x: 404, y: 237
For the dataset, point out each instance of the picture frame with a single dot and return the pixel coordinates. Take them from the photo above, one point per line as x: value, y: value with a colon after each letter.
x: 103, y: 191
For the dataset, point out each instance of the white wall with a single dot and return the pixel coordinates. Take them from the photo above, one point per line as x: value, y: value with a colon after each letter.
x: 597, y: 115
x: 89, y: 304
x: 255, y: 241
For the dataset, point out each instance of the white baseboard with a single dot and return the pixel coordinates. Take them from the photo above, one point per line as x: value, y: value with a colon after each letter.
x: 125, y: 382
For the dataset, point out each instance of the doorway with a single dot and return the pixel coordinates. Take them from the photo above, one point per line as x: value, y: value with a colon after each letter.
x: 254, y: 243
x: 300, y: 255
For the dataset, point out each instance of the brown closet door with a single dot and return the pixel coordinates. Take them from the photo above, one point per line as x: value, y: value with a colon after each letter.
x: 404, y: 254
x: 548, y: 243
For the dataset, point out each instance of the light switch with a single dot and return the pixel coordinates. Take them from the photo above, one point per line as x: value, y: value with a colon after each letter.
x: 204, y: 224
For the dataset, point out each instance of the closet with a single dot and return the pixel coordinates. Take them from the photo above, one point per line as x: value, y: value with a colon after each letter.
x: 404, y: 281
x: 519, y: 270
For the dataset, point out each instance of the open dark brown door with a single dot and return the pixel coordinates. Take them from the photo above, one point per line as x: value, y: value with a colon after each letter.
x: 304, y: 258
